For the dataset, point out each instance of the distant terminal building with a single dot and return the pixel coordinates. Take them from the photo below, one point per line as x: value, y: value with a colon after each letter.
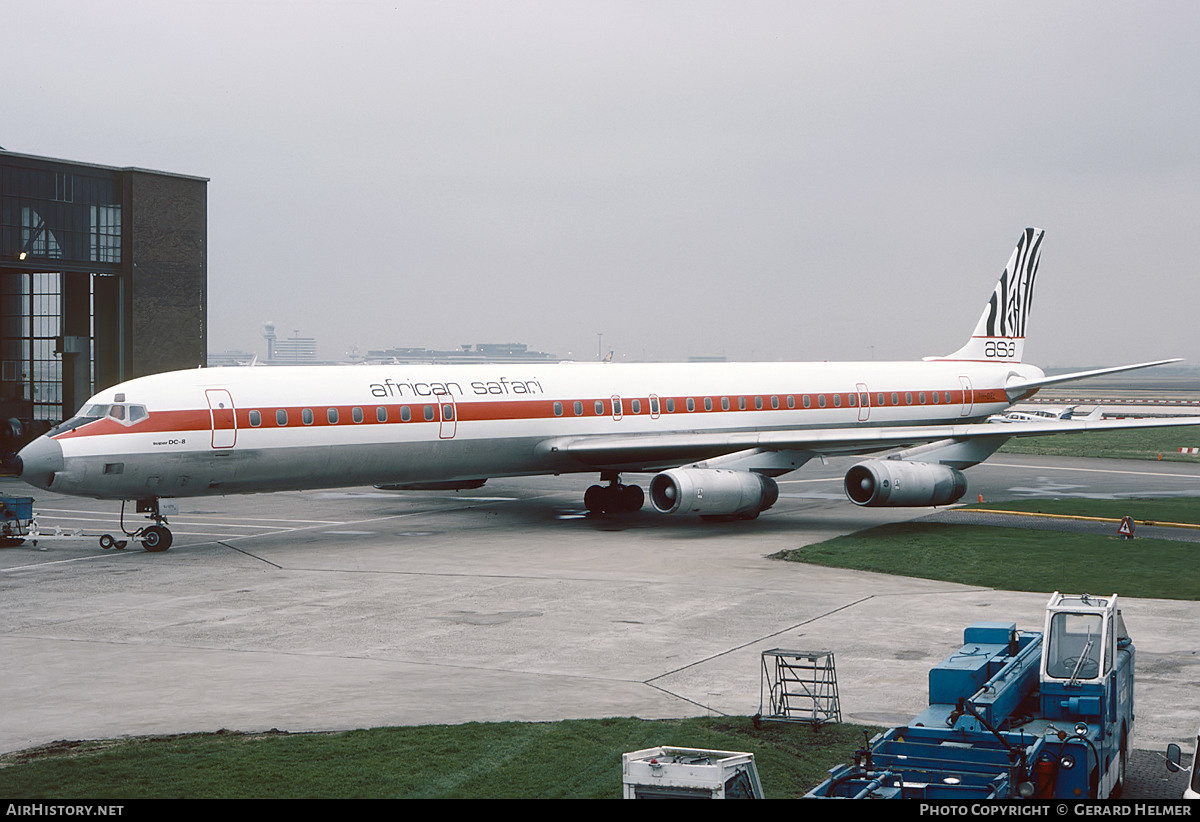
x: 480, y: 352
x: 297, y: 350
x: 103, y: 277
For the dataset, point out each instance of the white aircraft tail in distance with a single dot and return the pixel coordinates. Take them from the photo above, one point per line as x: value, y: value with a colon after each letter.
x: 714, y: 435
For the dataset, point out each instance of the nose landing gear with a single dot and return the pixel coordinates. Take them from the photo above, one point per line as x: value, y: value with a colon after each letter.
x: 157, y: 537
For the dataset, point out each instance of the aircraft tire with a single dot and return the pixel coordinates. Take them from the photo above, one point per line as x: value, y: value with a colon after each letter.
x: 594, y: 499
x: 156, y: 538
x: 631, y: 498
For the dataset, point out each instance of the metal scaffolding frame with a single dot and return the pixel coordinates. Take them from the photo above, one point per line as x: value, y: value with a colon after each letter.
x: 799, y: 686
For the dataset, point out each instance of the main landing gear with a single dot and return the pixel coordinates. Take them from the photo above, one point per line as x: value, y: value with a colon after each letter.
x: 155, y: 538
x: 613, y: 498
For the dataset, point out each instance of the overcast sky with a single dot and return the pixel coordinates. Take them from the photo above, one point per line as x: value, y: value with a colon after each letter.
x: 762, y: 180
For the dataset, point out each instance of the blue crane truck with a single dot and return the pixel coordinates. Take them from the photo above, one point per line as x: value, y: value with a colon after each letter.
x: 1013, y: 714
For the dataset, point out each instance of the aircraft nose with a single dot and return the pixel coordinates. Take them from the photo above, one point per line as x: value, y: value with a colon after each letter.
x: 39, y: 461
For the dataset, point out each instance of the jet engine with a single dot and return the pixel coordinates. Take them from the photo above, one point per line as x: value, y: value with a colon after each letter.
x: 896, y: 483
x: 712, y: 492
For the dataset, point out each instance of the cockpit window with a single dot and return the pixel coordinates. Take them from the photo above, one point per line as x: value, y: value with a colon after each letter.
x: 124, y: 413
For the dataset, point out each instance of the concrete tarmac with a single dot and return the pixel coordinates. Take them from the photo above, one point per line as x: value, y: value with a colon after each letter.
x: 358, y: 608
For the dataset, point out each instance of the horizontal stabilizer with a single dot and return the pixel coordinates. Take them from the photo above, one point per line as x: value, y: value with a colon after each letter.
x: 1018, y: 388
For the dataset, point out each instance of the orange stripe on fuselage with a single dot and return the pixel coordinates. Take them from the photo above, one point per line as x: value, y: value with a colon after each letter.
x: 200, y: 420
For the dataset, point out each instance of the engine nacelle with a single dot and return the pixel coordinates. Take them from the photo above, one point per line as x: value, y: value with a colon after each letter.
x: 712, y: 492
x: 896, y: 483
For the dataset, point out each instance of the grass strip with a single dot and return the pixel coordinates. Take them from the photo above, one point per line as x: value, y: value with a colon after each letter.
x: 506, y: 760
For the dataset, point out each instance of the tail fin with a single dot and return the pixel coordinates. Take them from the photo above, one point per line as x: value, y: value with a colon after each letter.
x: 1000, y: 334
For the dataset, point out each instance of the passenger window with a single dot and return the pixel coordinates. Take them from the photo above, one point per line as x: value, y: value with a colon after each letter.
x: 578, y: 408
x: 821, y: 400
x: 791, y: 401
x: 691, y: 404
x: 654, y: 405
x: 670, y: 405
x: 380, y: 414
x: 724, y: 403
x: 635, y: 406
x: 429, y: 413
x: 306, y: 416
x: 332, y: 416
x: 255, y: 419
x: 708, y: 403
x: 405, y: 413
x: 837, y: 400
x: 356, y: 414
x: 599, y: 408
x: 281, y: 417
x: 775, y: 402
x: 758, y: 403
x: 447, y: 412
x: 807, y: 401
x: 558, y: 409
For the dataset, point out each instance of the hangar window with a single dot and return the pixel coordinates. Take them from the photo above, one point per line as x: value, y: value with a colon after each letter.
x: 356, y: 414
x: 380, y: 413
x: 255, y: 419
x: 332, y: 415
x: 281, y: 417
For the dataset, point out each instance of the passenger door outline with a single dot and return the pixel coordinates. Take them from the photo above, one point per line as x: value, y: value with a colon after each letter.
x: 222, y: 417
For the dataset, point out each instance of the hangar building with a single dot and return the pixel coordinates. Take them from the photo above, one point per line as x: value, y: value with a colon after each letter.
x: 103, y: 277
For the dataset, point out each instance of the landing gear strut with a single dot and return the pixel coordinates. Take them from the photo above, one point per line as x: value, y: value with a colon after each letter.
x: 156, y: 537
x: 613, y: 498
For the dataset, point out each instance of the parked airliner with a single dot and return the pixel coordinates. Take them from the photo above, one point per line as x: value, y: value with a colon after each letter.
x: 714, y: 435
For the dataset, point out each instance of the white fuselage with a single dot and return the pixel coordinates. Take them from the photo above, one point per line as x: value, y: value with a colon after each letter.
x: 236, y: 430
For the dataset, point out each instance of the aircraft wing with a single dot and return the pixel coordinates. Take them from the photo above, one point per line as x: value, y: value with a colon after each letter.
x: 650, y: 452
